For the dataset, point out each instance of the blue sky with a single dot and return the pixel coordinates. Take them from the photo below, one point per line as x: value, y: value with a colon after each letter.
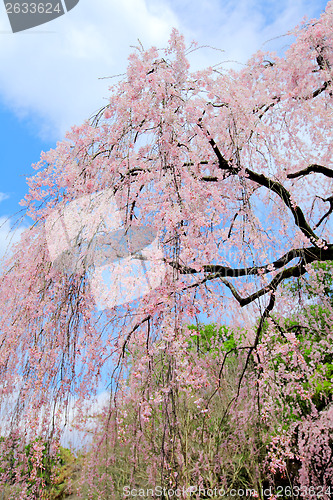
x: 50, y: 76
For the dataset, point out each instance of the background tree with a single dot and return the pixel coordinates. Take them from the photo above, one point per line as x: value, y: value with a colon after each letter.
x: 232, y: 168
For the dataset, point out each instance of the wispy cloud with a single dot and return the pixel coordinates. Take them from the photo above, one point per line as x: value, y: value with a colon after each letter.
x: 3, y: 196
x: 241, y: 28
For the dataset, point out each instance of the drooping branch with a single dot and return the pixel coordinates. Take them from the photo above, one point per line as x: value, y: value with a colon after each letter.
x: 264, y: 316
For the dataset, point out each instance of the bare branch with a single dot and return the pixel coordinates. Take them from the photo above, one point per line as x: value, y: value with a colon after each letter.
x: 312, y: 169
x: 308, y: 255
x: 294, y: 271
x: 329, y: 211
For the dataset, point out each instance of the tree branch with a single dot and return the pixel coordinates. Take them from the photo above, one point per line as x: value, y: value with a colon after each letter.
x: 320, y: 90
x: 265, y: 314
x: 284, y: 194
x: 312, y: 169
x: 329, y: 211
x: 306, y: 255
x: 270, y: 184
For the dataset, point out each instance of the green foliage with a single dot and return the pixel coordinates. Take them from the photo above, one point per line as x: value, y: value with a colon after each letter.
x: 211, y: 337
x: 324, y: 389
x: 53, y: 470
x: 66, y: 464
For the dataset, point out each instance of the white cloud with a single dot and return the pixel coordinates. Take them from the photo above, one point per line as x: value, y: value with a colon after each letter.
x: 240, y: 28
x: 52, y: 72
x: 3, y: 196
x: 55, y: 74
